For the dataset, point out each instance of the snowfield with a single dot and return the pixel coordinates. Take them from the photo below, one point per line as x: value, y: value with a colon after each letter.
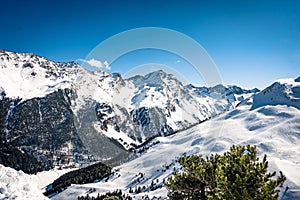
x: 16, y: 185
x: 273, y: 129
x: 45, y: 178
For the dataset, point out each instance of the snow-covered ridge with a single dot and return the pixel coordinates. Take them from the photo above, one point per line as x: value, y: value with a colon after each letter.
x: 282, y: 92
x: 26, y: 76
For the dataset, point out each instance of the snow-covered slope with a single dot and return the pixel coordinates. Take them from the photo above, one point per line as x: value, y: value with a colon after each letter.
x: 274, y: 129
x: 18, y: 186
x: 27, y: 76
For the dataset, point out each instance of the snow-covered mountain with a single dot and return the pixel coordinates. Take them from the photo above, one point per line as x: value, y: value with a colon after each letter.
x: 282, y: 92
x: 270, y: 120
x: 28, y: 76
x: 59, y: 113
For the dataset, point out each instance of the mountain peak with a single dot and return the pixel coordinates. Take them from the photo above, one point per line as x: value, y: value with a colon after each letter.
x: 157, y: 78
x: 282, y: 92
x: 26, y: 75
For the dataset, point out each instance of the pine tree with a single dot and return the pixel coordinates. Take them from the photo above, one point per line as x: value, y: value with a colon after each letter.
x: 236, y: 174
x: 138, y: 190
x: 111, y: 198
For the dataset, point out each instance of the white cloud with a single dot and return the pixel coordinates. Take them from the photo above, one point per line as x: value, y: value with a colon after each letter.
x: 96, y: 63
x: 106, y: 65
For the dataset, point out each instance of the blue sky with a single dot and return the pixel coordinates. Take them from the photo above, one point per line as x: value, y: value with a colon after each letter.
x: 253, y: 43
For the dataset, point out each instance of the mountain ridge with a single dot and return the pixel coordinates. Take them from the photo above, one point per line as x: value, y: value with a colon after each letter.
x: 100, y: 115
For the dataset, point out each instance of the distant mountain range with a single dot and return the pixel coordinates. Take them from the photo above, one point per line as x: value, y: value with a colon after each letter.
x: 61, y: 114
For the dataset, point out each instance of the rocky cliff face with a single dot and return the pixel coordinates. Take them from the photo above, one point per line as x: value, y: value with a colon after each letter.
x: 61, y: 114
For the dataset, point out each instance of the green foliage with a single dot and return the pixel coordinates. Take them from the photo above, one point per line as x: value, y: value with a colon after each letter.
x: 115, y: 195
x: 237, y: 174
x: 111, y: 198
x: 88, y: 174
x: 11, y: 156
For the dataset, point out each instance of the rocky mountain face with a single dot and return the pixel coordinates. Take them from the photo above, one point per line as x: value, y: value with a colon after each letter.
x: 61, y: 114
